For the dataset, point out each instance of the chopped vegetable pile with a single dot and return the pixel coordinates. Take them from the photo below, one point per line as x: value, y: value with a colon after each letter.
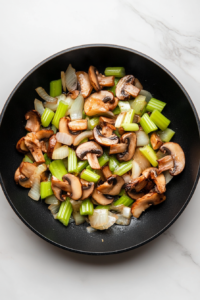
x: 98, y: 149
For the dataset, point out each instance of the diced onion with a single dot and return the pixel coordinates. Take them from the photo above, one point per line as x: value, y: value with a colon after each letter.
x: 124, y: 106
x: 34, y: 192
x: 39, y: 106
x: 71, y: 79
x: 138, y: 84
x: 76, y: 205
x: 120, y: 119
x: 78, y: 218
x: 64, y: 138
x: 126, y: 178
x: 136, y: 170
x: 63, y: 80
x: 126, y: 212
x: 76, y: 111
x: 117, y: 208
x: 122, y: 221
x: 51, y: 105
x: 146, y: 94
x: 60, y: 153
x: 142, y: 138
x: 54, y: 208
x: 52, y: 200
x: 82, y: 136
x: 43, y: 94
x: 168, y: 177
x: 90, y: 229
x: 99, y: 218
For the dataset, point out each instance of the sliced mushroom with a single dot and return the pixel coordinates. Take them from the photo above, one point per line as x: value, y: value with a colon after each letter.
x: 135, y: 195
x: 90, y: 151
x: 105, y: 187
x: 125, y: 88
x: 24, y: 173
x: 84, y: 83
x: 33, y: 121
x: 156, y: 141
x: 18, y: 176
x: 33, y: 144
x: 58, y: 187
x: 78, y: 125
x: 150, y: 186
x: 106, y: 172
x: 102, y: 199
x: 27, y: 169
x: 87, y: 189
x: 74, y: 94
x: 53, y: 145
x: 112, y: 186
x: 21, y: 146
x: 118, y: 148
x: 64, y: 128
x: 160, y: 184
x: 92, y: 72
x: 145, y: 202
x: 103, y: 121
x: 165, y: 163
x: 136, y: 184
x: 44, y: 134
x: 147, y: 172
x: 75, y: 184
x: 106, y: 80
x: 104, y: 140
x: 178, y: 156
x: 129, y: 139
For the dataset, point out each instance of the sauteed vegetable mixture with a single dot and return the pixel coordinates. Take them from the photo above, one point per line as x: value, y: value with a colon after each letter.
x: 98, y: 149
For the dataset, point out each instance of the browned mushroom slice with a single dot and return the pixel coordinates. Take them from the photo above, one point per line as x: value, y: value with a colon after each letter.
x: 103, y: 121
x: 106, y: 80
x: 94, y: 106
x: 150, y: 185
x: 117, y: 182
x: 147, y: 172
x: 84, y: 83
x: 33, y: 144
x: 75, y: 184
x: 165, y: 163
x: 58, y: 187
x: 92, y: 72
x: 21, y: 147
x: 130, y: 139
x: 106, y: 172
x: 118, y: 148
x: 87, y: 189
x: 27, y: 169
x: 105, y: 187
x: 156, y: 141
x: 53, y: 145
x: 178, y: 157
x: 74, y: 94
x: 78, y: 125
x: 24, y: 173
x: 90, y: 151
x: 135, y: 195
x: 102, y: 199
x: 136, y: 184
x: 160, y: 184
x: 104, y: 140
x: 125, y: 88
x: 43, y: 146
x: 64, y: 128
x: 33, y: 121
x: 145, y: 202
x: 44, y: 134
x: 138, y: 84
x: 18, y: 176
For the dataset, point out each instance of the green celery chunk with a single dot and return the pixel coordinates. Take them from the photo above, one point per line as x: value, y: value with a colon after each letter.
x: 123, y: 168
x: 93, y: 123
x: 155, y: 104
x: 113, y: 163
x: 47, y: 159
x: 115, y: 71
x: 57, y: 169
x: 86, y: 208
x: 166, y: 135
x: 139, y: 104
x: 160, y: 120
x: 65, y: 212
x: 116, y: 111
x: 147, y: 124
x: 130, y: 127
x: 90, y: 176
x: 60, y: 113
x: 27, y: 159
x: 129, y: 117
x: 55, y: 88
x: 150, y: 154
x: 125, y: 200
x: 103, y: 207
x: 45, y: 189
x: 81, y: 166
x: 46, y: 117
x: 72, y: 161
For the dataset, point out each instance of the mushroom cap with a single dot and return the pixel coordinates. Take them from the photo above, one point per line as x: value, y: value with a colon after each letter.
x: 106, y: 172
x: 136, y: 184
x: 160, y: 184
x: 99, y: 103
x: 145, y: 202
x: 87, y: 189
x: 58, y: 187
x: 92, y: 72
x: 118, y: 148
x: 24, y: 174
x: 156, y: 141
x: 106, y: 80
x: 21, y: 179
x: 135, y: 195
x: 27, y: 169
x: 75, y: 184
x: 88, y: 147
x: 21, y: 146
x: 121, y: 94
x: 33, y: 144
x: 178, y: 157
x: 105, y: 121
x: 101, y: 198
x: 117, y: 182
x: 130, y: 139
x: 44, y: 134
x: 64, y: 128
x: 78, y: 125
x: 165, y: 163
x: 33, y: 121
x: 53, y: 145
x: 104, y: 140
x: 84, y: 82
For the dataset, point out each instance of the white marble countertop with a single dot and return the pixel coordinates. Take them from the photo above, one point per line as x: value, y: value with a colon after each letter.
x: 168, y: 267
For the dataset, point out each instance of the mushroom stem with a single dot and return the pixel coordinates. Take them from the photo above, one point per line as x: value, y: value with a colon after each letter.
x: 118, y: 148
x: 131, y: 90
x: 93, y: 161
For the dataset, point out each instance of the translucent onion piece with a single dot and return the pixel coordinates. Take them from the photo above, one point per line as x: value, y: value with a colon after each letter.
x: 34, y: 192
x: 99, y: 218
x: 54, y: 105
x: 51, y: 105
x: 126, y: 212
x: 136, y: 170
x: 90, y: 229
x: 64, y: 138
x: 120, y: 119
x: 146, y: 94
x: 39, y: 106
x: 78, y: 218
x: 43, y: 94
x: 124, y: 106
x: 52, y: 200
x: 122, y: 220
x: 82, y: 136
x: 76, y: 110
x: 117, y: 208
x: 60, y: 153
x: 168, y: 177
x: 71, y: 79
x: 142, y: 138
x: 40, y: 169
x: 126, y: 178
x: 76, y: 205
x: 54, y: 208
x: 63, y: 80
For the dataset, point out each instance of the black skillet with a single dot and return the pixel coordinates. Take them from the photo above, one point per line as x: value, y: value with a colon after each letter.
x: 184, y: 120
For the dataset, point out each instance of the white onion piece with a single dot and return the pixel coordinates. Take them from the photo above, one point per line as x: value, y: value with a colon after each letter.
x: 54, y: 208
x: 71, y: 79
x: 126, y: 178
x: 60, y: 153
x: 124, y: 106
x: 43, y: 94
x: 120, y: 119
x: 62, y: 75
x: 90, y: 229
x: 126, y: 212
x: 51, y: 105
x: 34, y: 192
x: 136, y: 170
x: 39, y: 106
x: 111, y: 221
x: 40, y: 169
x: 76, y: 205
x: 122, y: 221
x: 168, y: 177
x: 117, y: 208
x: 142, y: 138
x: 78, y: 218
x: 52, y: 200
x: 54, y: 105
x: 82, y: 136
x: 64, y: 138
x: 146, y: 94
x: 99, y: 218
x: 77, y: 108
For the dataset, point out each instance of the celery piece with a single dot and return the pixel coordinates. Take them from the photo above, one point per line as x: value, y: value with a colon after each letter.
x: 55, y: 88
x: 155, y: 104
x: 60, y: 113
x: 57, y: 169
x: 47, y: 159
x: 130, y: 127
x: 45, y: 189
x: 72, y: 161
x: 103, y: 159
x: 27, y: 159
x: 125, y: 200
x: 54, y: 129
x: 129, y: 117
x: 65, y: 212
x: 86, y: 208
x: 84, y: 115
x: 103, y: 207
x: 150, y: 154
x: 147, y: 124
x: 46, y: 117
x: 113, y: 88
x: 138, y: 104
x: 113, y: 163
x: 166, y: 135
x: 81, y: 166
x: 117, y: 133
x: 116, y: 111
x: 124, y: 106
x: 160, y: 120
x: 65, y: 162
x: 115, y: 71
x: 90, y: 176
x: 123, y: 168
x: 122, y: 192
x: 93, y: 123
